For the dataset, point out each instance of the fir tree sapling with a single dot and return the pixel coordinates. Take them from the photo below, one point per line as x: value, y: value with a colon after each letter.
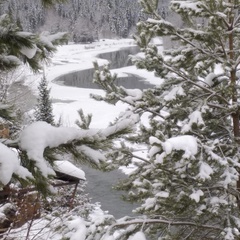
x: 188, y: 185
x: 18, y: 47
x: 44, y: 111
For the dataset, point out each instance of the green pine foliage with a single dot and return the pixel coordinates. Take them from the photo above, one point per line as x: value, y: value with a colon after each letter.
x: 44, y: 111
x: 18, y: 47
x: 188, y: 182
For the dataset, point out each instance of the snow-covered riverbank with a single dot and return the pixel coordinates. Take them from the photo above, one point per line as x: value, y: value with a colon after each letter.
x: 67, y: 100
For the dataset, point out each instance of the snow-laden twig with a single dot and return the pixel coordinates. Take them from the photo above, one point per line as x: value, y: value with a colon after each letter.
x: 186, y: 78
x: 166, y: 222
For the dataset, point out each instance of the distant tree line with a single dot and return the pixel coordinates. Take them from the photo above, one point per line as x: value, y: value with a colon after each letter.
x: 85, y: 20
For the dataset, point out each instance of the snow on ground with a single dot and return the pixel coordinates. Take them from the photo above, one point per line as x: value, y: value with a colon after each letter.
x: 67, y: 100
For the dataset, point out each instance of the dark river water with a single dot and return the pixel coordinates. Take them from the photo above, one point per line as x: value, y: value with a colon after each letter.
x: 100, y: 186
x: 117, y: 59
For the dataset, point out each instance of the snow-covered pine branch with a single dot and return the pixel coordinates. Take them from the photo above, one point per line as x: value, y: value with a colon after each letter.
x: 25, y: 47
x: 191, y: 168
x: 39, y: 136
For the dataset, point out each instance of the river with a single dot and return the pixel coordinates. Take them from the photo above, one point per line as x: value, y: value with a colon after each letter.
x: 117, y: 59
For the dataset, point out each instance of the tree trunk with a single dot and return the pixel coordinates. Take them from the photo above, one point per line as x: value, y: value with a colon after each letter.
x: 235, y: 115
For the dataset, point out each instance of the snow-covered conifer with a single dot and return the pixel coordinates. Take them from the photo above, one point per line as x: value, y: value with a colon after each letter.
x: 18, y: 47
x: 188, y: 182
x: 44, y: 111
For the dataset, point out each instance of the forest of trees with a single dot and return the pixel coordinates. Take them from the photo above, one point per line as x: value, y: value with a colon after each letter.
x: 85, y: 20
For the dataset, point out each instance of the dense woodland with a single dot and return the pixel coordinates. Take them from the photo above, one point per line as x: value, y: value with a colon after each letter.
x: 85, y: 20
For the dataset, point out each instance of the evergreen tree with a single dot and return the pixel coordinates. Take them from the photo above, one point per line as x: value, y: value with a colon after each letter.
x: 44, y: 110
x: 107, y: 17
x: 188, y: 183
x: 18, y: 47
